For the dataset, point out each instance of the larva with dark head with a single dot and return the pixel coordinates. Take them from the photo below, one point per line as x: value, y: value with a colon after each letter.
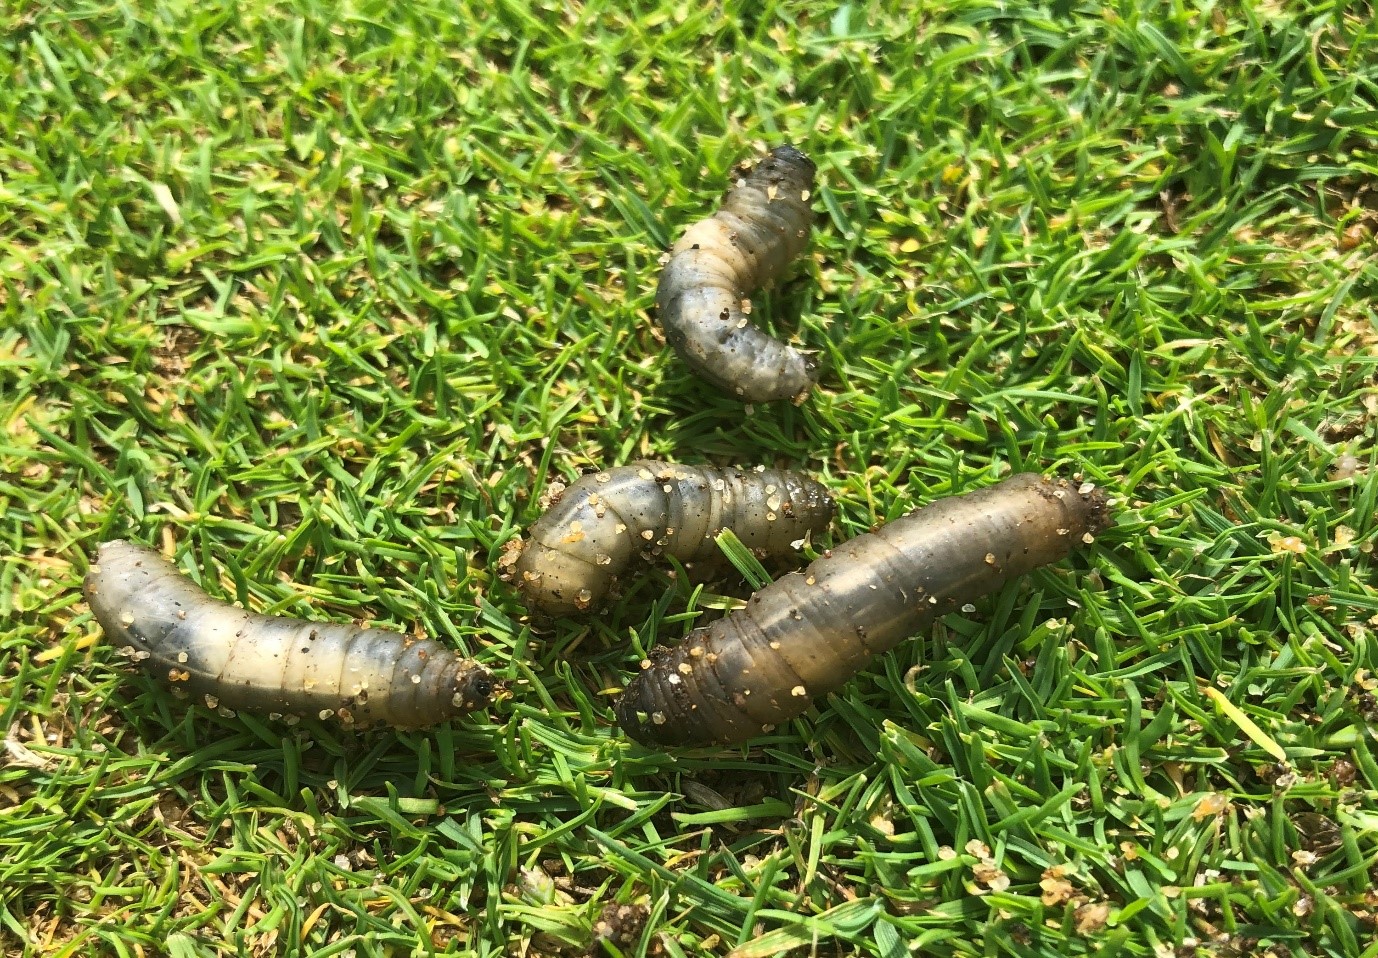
x: 274, y: 664
x: 763, y: 225
x: 808, y: 633
x: 600, y: 525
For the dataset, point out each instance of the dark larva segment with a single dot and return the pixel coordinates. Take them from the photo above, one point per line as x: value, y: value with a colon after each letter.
x: 607, y: 520
x: 274, y: 664
x: 763, y: 225
x: 809, y: 632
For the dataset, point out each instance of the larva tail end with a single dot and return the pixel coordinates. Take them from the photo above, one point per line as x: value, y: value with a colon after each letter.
x: 793, y: 156
x: 630, y: 720
x: 1093, y: 504
x: 812, y: 370
x: 113, y: 582
x: 644, y: 724
x: 639, y: 715
x: 655, y: 729
x: 117, y: 550
x: 794, y: 383
x: 557, y: 583
x: 1099, y: 515
x: 660, y: 712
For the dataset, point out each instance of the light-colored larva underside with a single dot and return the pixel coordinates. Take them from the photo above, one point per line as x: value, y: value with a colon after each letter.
x: 607, y: 520
x: 274, y: 664
x: 808, y: 633
x: 763, y: 225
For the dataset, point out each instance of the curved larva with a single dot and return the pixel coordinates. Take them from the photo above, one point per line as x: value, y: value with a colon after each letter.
x: 809, y: 632
x: 763, y: 225
x: 274, y: 664
x: 576, y: 549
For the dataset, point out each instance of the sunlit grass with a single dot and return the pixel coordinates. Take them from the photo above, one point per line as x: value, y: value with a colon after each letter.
x: 322, y: 296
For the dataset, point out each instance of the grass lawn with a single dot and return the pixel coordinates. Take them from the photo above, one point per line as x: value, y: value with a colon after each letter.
x: 319, y: 297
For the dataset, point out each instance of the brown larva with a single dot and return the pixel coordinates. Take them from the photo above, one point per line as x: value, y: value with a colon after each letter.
x: 809, y: 632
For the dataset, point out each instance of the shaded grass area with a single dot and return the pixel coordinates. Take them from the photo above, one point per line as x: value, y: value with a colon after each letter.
x: 320, y: 298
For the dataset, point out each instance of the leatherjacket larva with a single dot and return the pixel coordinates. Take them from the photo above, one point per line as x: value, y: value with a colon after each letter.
x: 809, y: 632
x: 274, y: 664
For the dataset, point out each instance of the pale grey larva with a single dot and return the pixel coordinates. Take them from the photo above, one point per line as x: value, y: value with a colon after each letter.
x: 274, y: 664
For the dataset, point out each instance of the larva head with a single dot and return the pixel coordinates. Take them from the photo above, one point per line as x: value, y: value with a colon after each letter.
x: 430, y: 684
x: 473, y: 688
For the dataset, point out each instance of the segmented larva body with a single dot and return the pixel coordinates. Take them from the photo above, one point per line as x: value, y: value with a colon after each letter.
x: 274, y: 664
x: 763, y: 225
x: 574, y: 552
x: 809, y: 632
